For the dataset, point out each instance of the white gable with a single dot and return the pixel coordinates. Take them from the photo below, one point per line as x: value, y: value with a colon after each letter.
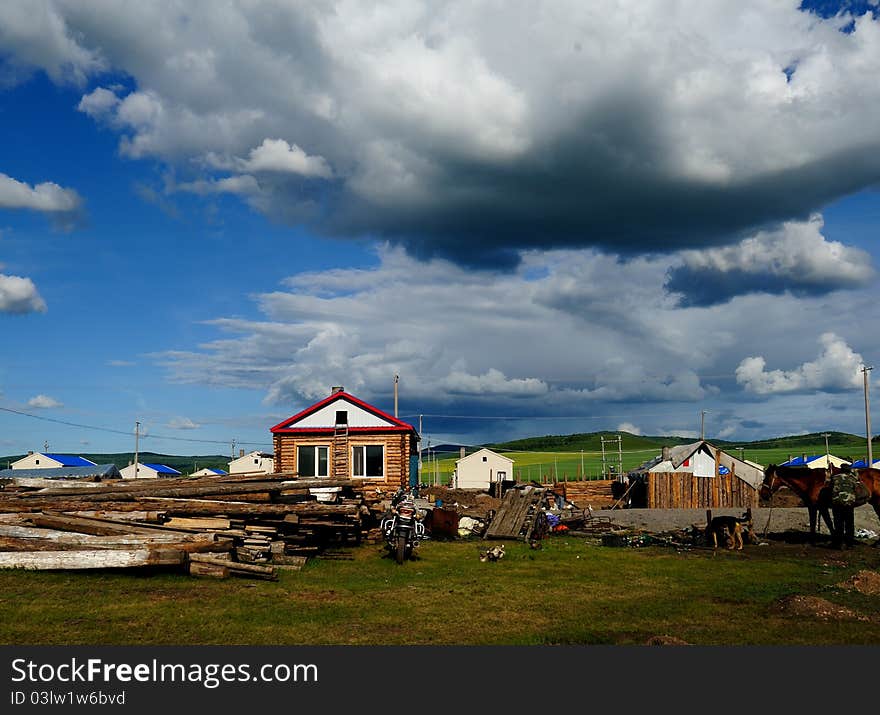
x: 326, y: 416
x: 488, y: 454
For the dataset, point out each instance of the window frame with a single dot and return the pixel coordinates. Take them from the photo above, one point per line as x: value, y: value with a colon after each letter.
x: 364, y: 447
x: 316, y: 460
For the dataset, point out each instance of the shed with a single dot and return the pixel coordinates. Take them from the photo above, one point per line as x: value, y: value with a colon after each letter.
x: 148, y: 471
x: 698, y: 475
x: 482, y: 469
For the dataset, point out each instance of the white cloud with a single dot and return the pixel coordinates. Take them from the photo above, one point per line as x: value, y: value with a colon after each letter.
x: 795, y: 257
x: 492, y: 382
x: 628, y: 427
x: 443, y: 135
x: 182, y: 423
x: 44, y: 402
x: 20, y: 295
x: 836, y: 368
x: 37, y: 36
x: 48, y: 196
x: 99, y: 104
x: 278, y: 155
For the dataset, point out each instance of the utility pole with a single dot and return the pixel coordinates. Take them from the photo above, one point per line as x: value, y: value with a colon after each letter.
x: 703, y: 424
x: 420, y: 449
x: 827, y: 452
x: 137, y: 434
x: 396, y: 380
x: 865, y: 369
x: 583, y: 476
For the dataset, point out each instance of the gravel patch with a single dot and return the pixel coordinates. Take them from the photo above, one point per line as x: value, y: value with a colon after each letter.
x: 770, y: 520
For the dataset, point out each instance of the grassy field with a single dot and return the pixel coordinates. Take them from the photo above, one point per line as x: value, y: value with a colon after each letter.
x: 571, y: 591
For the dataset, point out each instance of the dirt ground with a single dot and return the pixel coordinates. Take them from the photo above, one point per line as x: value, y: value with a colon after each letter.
x: 771, y: 521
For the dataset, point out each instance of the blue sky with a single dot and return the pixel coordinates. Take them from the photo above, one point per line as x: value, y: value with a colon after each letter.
x: 205, y: 226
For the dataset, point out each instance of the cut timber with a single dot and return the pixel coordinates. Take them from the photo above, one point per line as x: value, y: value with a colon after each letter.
x: 197, y: 523
x: 92, y: 559
x: 197, y: 568
x: 83, y: 525
x: 237, y: 569
x: 147, y: 517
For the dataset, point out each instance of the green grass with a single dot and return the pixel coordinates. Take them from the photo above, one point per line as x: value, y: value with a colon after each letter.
x: 570, y: 591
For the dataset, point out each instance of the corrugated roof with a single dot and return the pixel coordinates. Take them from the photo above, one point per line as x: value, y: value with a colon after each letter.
x: 70, y: 460
x: 106, y: 471
x: 161, y: 468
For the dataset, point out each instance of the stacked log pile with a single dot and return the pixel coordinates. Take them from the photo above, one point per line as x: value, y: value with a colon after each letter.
x: 232, y: 525
x: 594, y: 493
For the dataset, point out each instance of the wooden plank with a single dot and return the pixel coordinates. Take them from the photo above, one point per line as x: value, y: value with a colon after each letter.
x: 91, y: 559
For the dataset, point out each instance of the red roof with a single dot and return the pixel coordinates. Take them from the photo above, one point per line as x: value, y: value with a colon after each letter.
x: 395, y: 425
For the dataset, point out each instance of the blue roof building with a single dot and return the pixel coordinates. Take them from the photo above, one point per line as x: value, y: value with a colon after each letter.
x: 39, y: 460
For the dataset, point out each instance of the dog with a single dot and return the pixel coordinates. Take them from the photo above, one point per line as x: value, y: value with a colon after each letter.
x: 728, y: 528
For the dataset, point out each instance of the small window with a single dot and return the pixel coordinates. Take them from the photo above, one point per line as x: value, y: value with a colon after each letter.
x: 342, y: 417
x: 312, y: 461
x: 37, y: 461
x: 485, y: 459
x: 368, y: 460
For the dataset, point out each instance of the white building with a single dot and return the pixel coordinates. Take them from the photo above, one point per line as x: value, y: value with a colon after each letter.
x: 253, y: 463
x: 482, y: 469
x: 38, y: 460
x: 206, y: 472
x: 148, y: 471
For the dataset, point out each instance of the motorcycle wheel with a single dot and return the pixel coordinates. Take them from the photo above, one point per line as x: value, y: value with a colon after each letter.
x: 401, y: 549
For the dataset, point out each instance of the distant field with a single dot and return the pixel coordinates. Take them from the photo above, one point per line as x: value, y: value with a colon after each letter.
x: 546, y: 466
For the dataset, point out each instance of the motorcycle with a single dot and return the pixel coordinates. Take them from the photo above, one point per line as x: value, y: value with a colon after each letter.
x: 402, y: 527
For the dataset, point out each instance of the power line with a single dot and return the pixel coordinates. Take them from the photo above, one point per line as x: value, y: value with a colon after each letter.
x: 124, y: 432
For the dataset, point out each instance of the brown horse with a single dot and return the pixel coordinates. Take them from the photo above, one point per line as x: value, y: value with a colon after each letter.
x: 812, y: 486
x: 808, y: 484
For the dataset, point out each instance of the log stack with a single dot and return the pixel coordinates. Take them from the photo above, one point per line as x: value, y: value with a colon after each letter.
x: 211, y: 526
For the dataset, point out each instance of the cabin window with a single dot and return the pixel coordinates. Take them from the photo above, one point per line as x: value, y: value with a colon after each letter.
x: 485, y: 459
x: 342, y: 417
x: 312, y: 461
x: 368, y: 460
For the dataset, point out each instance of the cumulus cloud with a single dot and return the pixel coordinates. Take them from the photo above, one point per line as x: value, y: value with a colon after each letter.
x: 20, y: 295
x: 529, y: 337
x: 628, y: 427
x: 837, y: 368
x: 276, y: 155
x: 48, y: 196
x: 35, y: 35
x: 492, y: 382
x: 795, y: 258
x: 635, y: 128
x: 44, y: 402
x: 182, y: 423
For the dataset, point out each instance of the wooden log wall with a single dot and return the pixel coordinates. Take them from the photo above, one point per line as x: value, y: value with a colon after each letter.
x: 593, y: 492
x: 682, y: 490
x: 398, y: 448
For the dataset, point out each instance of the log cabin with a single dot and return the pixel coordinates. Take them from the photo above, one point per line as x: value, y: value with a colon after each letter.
x: 342, y: 437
